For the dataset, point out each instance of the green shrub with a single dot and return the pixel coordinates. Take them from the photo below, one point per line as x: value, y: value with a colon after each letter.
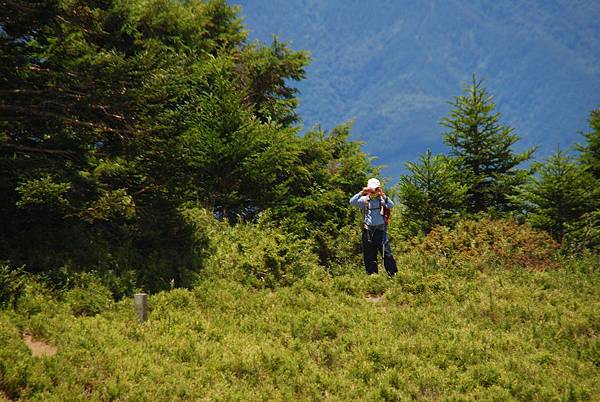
x: 344, y: 250
x: 349, y: 284
x: 257, y: 254
x: 377, y: 284
x: 586, y: 262
x: 121, y: 284
x: 88, y: 296
x: 415, y: 283
x: 14, y: 359
x: 38, y: 299
x: 583, y: 234
x: 491, y: 243
x: 12, y: 285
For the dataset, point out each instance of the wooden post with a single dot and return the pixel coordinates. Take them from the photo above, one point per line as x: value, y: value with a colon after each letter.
x: 140, y: 302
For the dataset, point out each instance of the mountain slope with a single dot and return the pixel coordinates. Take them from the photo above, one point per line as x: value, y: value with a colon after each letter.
x: 393, y: 66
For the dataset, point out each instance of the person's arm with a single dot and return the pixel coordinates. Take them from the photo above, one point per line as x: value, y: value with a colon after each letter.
x: 387, y: 201
x: 358, y: 200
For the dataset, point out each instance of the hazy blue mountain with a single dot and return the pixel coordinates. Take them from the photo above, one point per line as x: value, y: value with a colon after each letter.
x: 394, y: 65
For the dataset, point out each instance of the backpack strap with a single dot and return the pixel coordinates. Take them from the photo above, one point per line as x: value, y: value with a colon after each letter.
x: 380, y: 206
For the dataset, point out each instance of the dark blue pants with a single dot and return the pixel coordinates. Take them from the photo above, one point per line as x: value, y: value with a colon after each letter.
x: 373, y: 244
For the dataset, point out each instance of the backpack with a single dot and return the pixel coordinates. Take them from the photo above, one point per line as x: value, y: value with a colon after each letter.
x: 383, y: 210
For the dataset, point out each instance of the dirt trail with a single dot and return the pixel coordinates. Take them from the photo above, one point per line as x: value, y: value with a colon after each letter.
x: 39, y: 348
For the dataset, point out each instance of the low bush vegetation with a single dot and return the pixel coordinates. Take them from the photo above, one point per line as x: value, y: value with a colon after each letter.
x: 12, y: 283
x: 259, y: 255
x: 491, y: 243
x: 434, y: 331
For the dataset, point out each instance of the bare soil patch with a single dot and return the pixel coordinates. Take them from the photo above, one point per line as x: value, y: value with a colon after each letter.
x: 374, y: 299
x: 39, y: 348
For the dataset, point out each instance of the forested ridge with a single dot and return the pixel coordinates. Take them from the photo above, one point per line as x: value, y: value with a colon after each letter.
x: 392, y: 66
x: 149, y: 145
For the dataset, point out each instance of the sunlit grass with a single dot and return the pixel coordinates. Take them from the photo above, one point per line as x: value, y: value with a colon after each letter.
x: 425, y: 334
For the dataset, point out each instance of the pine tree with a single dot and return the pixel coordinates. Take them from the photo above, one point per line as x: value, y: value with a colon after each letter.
x: 590, y: 152
x: 559, y: 196
x: 115, y: 114
x: 584, y: 233
x: 431, y: 193
x: 482, y: 147
x: 329, y: 169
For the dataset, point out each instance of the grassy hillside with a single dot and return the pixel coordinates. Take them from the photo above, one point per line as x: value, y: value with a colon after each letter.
x: 432, y: 332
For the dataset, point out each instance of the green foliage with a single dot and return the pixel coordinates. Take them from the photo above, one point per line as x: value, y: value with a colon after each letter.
x: 257, y: 254
x: 315, y: 199
x: 431, y: 332
x: 590, y: 151
x: 316, y: 195
x: 112, y: 204
x: 116, y: 114
x: 15, y: 359
x: 583, y: 234
x: 341, y: 249
x: 120, y: 114
x: 562, y: 194
x: 43, y: 192
x: 586, y: 262
x: 431, y: 193
x: 482, y: 148
x: 266, y: 70
x: 12, y: 284
x: 87, y: 295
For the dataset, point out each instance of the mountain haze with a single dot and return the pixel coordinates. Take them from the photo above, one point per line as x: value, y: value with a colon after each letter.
x: 394, y: 65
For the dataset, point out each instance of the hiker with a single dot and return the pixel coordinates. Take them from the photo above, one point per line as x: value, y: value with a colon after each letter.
x: 375, y: 206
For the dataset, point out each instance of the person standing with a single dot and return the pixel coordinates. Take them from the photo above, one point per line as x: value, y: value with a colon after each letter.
x: 374, y: 204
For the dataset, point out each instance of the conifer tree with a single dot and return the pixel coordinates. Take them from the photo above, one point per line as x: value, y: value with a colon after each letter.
x: 590, y: 151
x: 115, y: 114
x: 431, y: 192
x: 561, y: 193
x: 584, y: 233
x: 482, y: 146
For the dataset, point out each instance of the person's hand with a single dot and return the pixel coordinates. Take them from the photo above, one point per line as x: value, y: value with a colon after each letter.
x: 380, y: 192
x: 366, y: 191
